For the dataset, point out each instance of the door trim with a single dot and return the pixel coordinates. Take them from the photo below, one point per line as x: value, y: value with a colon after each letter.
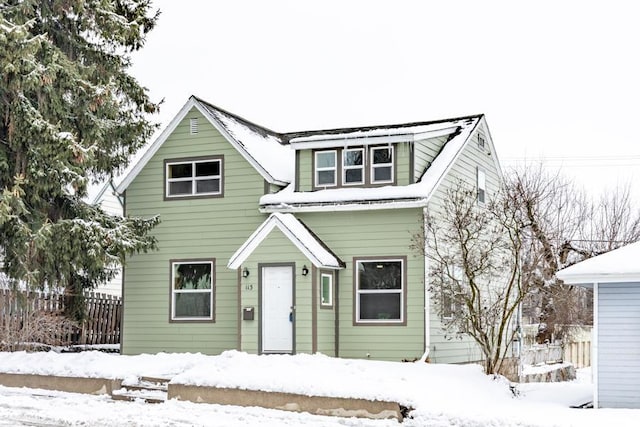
x: 261, y: 266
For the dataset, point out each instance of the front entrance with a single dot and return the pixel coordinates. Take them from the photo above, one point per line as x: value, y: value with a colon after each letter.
x: 277, y: 309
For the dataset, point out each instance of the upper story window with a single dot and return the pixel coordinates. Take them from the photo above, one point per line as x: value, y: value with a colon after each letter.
x: 482, y: 185
x: 381, y: 165
x: 197, y: 177
x: 326, y: 168
x: 353, y: 166
x: 342, y: 167
x: 193, y: 125
x: 481, y: 142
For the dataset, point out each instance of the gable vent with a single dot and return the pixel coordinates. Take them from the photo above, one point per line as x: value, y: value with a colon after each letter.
x: 193, y: 125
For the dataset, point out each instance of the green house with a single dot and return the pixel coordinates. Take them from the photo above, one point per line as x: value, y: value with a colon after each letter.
x: 295, y: 242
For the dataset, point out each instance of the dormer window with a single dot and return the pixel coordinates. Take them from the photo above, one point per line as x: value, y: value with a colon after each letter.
x: 353, y: 166
x: 381, y: 165
x: 326, y: 168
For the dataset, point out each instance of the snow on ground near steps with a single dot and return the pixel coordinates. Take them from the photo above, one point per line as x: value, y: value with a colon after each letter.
x: 442, y: 395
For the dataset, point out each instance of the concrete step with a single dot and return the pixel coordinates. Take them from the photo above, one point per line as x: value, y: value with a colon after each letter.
x: 147, y: 389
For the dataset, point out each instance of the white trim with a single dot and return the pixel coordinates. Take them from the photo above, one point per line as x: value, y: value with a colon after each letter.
x: 190, y: 291
x: 330, y: 303
x: 373, y: 166
x: 296, y: 233
x: 155, y: 146
x: 602, y: 278
x: 317, y: 169
x: 186, y: 108
x: 400, y: 291
x: 193, y: 178
x: 346, y: 168
x: 374, y: 136
x: 427, y: 293
x: 594, y: 345
x: 365, y: 205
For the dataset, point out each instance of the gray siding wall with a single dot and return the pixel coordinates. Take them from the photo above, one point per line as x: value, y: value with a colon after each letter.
x: 618, y: 345
x: 424, y: 152
x: 444, y: 348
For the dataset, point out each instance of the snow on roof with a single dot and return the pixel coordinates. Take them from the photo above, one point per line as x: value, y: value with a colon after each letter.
x: 263, y: 145
x: 407, y: 132
x: 309, y: 244
x: 619, y: 265
x: 411, y: 195
x: 263, y: 149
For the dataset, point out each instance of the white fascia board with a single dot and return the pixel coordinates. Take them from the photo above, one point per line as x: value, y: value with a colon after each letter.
x: 346, y: 142
x: 156, y: 145
x: 192, y: 102
x: 451, y: 163
x: 492, y: 148
x: 603, y: 279
x: 331, y: 141
x: 262, y: 232
x: 343, y: 207
x: 239, y: 147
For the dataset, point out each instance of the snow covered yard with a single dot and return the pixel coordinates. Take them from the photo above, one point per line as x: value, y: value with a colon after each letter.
x: 441, y: 395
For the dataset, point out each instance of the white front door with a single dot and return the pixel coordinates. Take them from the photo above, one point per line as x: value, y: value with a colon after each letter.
x: 277, y: 310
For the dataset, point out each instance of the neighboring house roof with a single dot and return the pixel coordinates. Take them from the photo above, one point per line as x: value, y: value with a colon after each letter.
x: 619, y: 265
x: 264, y: 149
x: 303, y: 238
x: 412, y: 195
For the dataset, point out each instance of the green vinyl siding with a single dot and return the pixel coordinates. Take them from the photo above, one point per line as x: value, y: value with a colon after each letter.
x: 379, y: 233
x: 277, y: 249
x: 402, y: 166
x: 189, y: 229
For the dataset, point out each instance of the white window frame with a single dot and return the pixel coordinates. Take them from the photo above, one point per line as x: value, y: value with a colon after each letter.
x: 482, y: 186
x: 175, y: 291
x: 481, y: 142
x: 324, y: 169
x: 374, y: 166
x: 346, y: 168
x: 193, y: 178
x: 400, y: 291
x: 328, y: 303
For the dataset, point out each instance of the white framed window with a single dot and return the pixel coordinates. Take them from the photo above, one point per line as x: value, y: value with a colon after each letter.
x: 482, y: 186
x: 200, y: 177
x: 382, y: 164
x: 192, y: 289
x: 481, y: 142
x: 451, y: 293
x: 353, y: 166
x: 380, y: 290
x: 325, y: 168
x: 326, y: 289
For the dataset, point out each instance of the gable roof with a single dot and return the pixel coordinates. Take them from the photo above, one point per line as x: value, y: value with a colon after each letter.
x: 298, y: 233
x: 264, y: 149
x: 618, y: 265
x: 412, y: 195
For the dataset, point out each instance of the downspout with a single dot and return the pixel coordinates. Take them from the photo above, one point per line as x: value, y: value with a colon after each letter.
x: 427, y: 294
x: 594, y: 346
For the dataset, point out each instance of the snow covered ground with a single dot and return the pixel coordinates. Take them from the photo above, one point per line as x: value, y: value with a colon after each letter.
x: 442, y: 395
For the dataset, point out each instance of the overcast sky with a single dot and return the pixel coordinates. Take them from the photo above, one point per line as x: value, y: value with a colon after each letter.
x: 558, y: 80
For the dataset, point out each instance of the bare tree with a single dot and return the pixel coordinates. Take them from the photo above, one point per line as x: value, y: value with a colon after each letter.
x: 562, y: 226
x: 473, y: 253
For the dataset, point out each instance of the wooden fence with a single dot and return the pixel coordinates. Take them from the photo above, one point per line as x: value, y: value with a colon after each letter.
x: 42, y: 313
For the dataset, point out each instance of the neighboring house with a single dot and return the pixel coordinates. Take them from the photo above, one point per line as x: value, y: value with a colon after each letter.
x: 295, y: 242
x: 105, y: 196
x: 615, y: 355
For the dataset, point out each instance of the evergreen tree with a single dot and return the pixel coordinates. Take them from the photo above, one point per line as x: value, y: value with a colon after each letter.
x: 69, y: 115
